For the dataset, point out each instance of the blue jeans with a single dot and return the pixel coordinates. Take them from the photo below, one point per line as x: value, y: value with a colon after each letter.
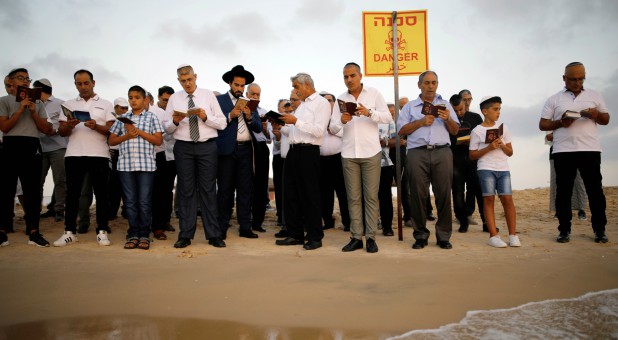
x: 495, y: 181
x: 137, y: 189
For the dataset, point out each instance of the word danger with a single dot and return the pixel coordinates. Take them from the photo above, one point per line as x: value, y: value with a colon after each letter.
x: 400, y: 56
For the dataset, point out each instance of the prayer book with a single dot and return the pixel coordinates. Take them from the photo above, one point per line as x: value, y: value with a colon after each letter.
x: 275, y: 117
x: 123, y: 119
x: 568, y: 114
x: 82, y: 116
x: 430, y: 109
x: 493, y: 134
x: 24, y: 92
x: 347, y: 107
x: 190, y: 112
x: 252, y: 104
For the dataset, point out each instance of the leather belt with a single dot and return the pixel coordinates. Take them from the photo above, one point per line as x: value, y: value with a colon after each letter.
x: 244, y: 142
x: 432, y: 147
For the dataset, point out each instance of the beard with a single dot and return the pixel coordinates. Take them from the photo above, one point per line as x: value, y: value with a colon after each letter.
x: 236, y: 94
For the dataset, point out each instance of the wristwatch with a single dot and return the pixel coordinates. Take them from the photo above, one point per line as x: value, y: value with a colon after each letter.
x: 370, y: 112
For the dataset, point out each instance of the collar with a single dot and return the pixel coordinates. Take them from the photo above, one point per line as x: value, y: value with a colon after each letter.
x: 419, y: 101
x: 564, y: 89
x: 95, y: 98
x: 312, y: 96
x: 361, y: 91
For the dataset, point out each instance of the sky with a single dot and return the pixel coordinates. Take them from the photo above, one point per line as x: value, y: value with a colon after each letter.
x: 513, y: 49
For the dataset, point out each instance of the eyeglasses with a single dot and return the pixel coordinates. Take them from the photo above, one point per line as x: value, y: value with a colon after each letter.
x: 22, y: 78
x: 575, y: 80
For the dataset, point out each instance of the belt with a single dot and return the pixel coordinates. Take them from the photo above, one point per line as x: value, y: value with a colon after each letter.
x: 301, y: 145
x: 244, y: 142
x: 192, y: 142
x: 432, y: 147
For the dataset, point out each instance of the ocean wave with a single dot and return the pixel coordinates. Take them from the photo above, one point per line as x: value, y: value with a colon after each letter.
x: 590, y: 316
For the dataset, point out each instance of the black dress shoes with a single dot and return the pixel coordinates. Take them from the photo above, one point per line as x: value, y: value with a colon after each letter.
x: 216, y: 242
x: 419, y: 244
x: 372, y: 246
x: 463, y: 228
x: 387, y: 232
x: 311, y: 245
x: 431, y: 217
x: 258, y: 229
x: 282, y: 234
x: 445, y: 245
x: 169, y: 227
x: 353, y: 245
x: 182, y: 243
x: 600, y: 238
x: 247, y: 234
x: 289, y: 241
x: 565, y: 238
x: 48, y: 213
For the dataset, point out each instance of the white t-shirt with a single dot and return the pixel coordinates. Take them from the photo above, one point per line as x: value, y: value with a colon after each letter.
x: 582, y: 135
x: 83, y: 141
x: 495, y: 160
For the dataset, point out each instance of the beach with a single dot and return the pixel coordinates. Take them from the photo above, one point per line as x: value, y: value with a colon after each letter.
x: 268, y: 291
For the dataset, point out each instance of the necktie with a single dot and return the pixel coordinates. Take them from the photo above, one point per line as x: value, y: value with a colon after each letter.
x: 194, y: 130
x: 242, y: 125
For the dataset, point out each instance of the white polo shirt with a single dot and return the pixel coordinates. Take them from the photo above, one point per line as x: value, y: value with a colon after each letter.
x: 83, y: 141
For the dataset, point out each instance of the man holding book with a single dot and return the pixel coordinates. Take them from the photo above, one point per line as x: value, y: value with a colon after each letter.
x: 236, y: 152
x: 21, y: 121
x: 429, y: 159
x: 576, y: 146
x: 194, y: 117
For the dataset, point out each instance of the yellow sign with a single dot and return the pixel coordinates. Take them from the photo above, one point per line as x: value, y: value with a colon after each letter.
x: 412, y: 55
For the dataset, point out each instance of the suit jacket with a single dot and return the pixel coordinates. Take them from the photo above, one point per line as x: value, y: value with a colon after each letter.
x: 227, y: 137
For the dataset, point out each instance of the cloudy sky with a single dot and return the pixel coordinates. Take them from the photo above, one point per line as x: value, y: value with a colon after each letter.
x: 515, y: 49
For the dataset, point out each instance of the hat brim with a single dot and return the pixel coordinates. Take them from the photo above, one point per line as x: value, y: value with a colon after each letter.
x: 236, y: 72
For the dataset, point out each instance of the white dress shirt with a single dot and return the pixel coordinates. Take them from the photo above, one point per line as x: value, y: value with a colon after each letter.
x: 203, y: 99
x: 312, y: 116
x: 361, y: 137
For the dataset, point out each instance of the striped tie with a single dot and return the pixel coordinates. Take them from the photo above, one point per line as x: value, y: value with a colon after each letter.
x: 242, y: 125
x: 194, y: 130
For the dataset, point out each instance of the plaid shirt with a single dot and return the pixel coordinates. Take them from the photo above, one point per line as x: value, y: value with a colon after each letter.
x: 137, y: 154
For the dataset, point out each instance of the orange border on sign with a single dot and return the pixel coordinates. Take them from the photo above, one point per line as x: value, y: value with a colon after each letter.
x: 422, y: 11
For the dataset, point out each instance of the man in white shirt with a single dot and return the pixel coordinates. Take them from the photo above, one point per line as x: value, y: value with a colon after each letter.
x: 361, y: 153
x: 195, y: 152
x: 577, y: 147
x: 305, y: 129
x: 87, y: 153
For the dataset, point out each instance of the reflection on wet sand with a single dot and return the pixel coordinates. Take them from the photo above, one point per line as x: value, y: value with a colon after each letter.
x: 152, y: 328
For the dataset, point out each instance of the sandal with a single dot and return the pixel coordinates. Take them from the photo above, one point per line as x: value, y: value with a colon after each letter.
x: 144, y: 243
x: 131, y: 244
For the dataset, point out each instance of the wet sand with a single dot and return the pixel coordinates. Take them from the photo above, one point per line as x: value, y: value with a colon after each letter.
x: 253, y: 282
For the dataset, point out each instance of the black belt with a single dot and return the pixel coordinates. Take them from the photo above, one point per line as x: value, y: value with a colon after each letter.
x: 191, y: 142
x: 431, y: 147
x: 301, y: 145
x: 244, y: 142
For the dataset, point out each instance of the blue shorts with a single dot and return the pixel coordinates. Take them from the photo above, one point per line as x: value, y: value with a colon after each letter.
x: 493, y: 182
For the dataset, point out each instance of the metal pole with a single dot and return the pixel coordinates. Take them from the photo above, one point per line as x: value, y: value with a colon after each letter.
x: 397, y: 147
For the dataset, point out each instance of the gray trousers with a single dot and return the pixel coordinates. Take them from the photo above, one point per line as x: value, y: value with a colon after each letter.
x: 55, y: 161
x: 362, y: 183
x: 433, y: 167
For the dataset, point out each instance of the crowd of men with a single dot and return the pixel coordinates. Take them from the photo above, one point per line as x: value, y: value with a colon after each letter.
x: 214, y: 159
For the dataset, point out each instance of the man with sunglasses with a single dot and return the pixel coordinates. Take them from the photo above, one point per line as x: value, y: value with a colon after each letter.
x: 21, y: 121
x: 576, y: 146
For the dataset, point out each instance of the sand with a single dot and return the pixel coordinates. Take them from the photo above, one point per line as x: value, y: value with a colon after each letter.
x: 255, y: 282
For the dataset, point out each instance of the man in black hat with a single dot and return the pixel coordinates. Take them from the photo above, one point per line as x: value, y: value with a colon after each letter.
x: 235, y: 145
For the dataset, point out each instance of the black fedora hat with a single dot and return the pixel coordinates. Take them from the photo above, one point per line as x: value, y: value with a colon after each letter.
x: 238, y: 71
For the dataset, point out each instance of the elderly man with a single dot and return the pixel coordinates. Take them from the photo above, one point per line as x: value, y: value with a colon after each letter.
x: 195, y: 151
x: 21, y: 121
x: 301, y: 174
x: 577, y: 147
x: 361, y: 154
x: 235, y: 147
x: 429, y: 159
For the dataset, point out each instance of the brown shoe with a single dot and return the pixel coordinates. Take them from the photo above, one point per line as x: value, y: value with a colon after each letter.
x: 159, y: 235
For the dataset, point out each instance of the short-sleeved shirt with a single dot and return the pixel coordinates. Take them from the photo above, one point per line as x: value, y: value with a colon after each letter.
x: 434, y: 134
x: 25, y: 127
x: 495, y: 160
x: 137, y: 154
x: 54, y: 111
x: 83, y: 141
x: 582, y: 135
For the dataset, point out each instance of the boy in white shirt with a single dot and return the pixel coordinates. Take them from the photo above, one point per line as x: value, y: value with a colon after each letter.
x: 493, y: 170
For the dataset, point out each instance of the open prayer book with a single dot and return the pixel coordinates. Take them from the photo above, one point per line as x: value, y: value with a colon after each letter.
x: 493, y: 134
x: 123, y: 119
x: 275, y: 117
x: 24, y: 92
x: 83, y: 116
x: 190, y: 112
x: 430, y: 109
x: 252, y: 104
x: 568, y: 114
x: 347, y: 107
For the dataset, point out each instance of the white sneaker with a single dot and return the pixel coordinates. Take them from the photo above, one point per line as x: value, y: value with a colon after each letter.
x: 514, y: 241
x: 67, y: 238
x: 472, y: 221
x: 496, y: 242
x: 103, y: 239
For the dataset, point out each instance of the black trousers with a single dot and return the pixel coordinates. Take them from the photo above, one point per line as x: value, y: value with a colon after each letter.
x: 405, y: 183
x: 235, y: 173
x: 566, y: 165
x: 21, y: 158
x: 385, y: 196
x: 260, y: 184
x: 331, y: 182
x: 114, y: 188
x: 278, y: 183
x: 302, y: 199
x: 98, y: 170
x: 466, y: 177
x: 163, y: 192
